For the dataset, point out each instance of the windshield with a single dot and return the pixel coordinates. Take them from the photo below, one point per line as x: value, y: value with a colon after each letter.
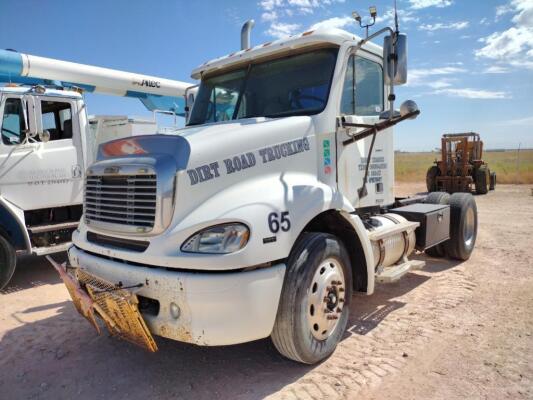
x: 295, y: 85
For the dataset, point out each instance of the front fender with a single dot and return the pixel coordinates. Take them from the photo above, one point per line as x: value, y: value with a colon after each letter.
x: 253, y: 201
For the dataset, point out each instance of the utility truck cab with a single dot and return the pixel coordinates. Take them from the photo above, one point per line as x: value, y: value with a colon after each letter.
x: 267, y: 211
x: 47, y: 143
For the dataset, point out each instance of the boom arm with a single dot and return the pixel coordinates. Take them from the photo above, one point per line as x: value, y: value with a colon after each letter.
x: 153, y: 91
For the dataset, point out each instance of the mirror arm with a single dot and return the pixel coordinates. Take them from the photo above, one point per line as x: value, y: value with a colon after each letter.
x: 372, y: 129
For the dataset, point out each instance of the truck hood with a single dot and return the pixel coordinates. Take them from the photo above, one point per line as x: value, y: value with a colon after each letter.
x: 214, y: 142
x: 192, y: 145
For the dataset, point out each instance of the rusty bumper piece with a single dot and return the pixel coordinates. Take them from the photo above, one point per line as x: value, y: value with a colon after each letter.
x: 117, y: 307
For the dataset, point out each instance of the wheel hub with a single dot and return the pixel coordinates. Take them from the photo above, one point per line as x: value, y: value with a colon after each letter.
x: 325, y: 299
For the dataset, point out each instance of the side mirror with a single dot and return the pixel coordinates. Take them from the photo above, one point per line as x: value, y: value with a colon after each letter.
x: 395, y: 59
x: 44, y: 136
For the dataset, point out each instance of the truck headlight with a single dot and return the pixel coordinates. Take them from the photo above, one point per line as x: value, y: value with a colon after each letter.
x: 220, y: 239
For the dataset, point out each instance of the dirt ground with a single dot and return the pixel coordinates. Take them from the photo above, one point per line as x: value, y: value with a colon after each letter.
x: 450, y: 331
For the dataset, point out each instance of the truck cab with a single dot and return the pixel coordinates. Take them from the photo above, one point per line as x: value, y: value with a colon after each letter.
x: 42, y: 159
x: 263, y: 215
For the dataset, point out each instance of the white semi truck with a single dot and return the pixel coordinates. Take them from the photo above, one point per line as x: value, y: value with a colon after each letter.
x: 268, y: 210
x: 47, y: 144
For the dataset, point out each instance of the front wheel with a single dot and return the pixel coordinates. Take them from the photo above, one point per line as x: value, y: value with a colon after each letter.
x: 8, y: 261
x: 315, y: 299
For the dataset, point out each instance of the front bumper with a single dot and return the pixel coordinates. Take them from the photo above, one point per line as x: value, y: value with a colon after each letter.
x: 217, y: 308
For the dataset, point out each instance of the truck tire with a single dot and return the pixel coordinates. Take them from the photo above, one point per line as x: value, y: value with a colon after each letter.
x: 437, y: 198
x: 463, y: 226
x: 8, y: 261
x: 315, y: 299
x: 431, y: 178
x: 492, y: 185
x: 482, y: 181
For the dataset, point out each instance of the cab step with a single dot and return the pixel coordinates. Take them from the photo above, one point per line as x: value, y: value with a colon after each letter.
x: 395, y: 272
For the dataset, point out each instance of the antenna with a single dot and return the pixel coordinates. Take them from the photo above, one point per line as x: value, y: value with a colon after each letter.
x: 396, y: 17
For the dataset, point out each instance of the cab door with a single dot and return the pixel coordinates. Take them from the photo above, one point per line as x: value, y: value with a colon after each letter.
x: 362, y: 101
x: 34, y: 174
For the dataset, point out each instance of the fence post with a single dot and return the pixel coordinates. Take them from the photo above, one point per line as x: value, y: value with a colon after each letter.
x: 518, y: 164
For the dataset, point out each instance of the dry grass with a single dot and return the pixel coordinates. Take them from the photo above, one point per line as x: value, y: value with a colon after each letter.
x: 412, y: 167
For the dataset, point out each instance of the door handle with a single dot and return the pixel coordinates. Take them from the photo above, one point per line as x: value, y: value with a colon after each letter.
x: 76, y: 171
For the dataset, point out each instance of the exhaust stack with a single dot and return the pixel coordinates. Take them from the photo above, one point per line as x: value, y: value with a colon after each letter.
x: 245, y: 34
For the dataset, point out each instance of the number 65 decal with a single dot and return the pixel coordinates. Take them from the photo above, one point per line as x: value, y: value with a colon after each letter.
x: 275, y: 222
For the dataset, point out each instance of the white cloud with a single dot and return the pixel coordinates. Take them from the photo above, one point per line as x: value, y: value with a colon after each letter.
x: 269, y: 5
x: 513, y: 46
x: 417, y: 4
x: 438, y: 26
x: 495, y: 69
x: 280, y: 29
x: 439, y: 84
x: 269, y: 16
x: 335, y: 22
x: 274, y: 10
x: 473, y: 93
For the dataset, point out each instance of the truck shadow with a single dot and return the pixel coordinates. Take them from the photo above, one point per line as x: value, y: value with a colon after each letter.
x: 62, y: 357
x: 367, y: 312
x: 33, y: 271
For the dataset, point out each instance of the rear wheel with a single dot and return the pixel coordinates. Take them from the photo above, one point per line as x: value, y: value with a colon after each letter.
x: 463, y: 226
x: 482, y: 180
x: 8, y: 261
x: 437, y: 198
x: 431, y: 178
x: 315, y: 299
x: 492, y: 185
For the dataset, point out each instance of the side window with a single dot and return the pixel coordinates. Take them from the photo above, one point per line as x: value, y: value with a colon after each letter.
x: 57, y: 119
x: 13, y: 122
x: 368, y: 87
x: 365, y: 97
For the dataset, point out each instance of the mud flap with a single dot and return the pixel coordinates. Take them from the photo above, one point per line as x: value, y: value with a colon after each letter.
x: 117, y: 307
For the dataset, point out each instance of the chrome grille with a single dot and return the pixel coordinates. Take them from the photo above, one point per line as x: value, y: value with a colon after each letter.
x: 121, y: 200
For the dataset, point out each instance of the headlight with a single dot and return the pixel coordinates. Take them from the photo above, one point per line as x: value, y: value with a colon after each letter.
x: 220, y: 239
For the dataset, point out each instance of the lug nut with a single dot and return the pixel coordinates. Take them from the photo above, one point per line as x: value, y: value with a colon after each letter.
x: 327, y: 310
x: 339, y: 310
x: 341, y: 300
x: 326, y: 299
x: 332, y: 317
x: 341, y: 289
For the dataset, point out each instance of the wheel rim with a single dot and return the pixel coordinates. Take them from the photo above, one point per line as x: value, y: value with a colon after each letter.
x: 325, y: 299
x: 469, y: 227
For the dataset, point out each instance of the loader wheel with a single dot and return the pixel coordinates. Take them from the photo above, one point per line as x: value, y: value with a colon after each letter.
x: 482, y: 180
x: 431, y: 178
x: 8, y: 261
x: 437, y: 198
x: 463, y: 226
x: 315, y: 299
x: 492, y: 185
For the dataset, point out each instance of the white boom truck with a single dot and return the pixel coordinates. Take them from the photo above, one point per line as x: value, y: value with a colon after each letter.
x: 263, y: 215
x: 46, y: 146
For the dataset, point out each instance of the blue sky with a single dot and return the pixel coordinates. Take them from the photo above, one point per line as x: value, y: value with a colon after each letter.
x: 470, y: 62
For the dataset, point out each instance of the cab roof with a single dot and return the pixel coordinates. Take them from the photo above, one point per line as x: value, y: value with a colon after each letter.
x: 320, y: 36
x: 48, y: 91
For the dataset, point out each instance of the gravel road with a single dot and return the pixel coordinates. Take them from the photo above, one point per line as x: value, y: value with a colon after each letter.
x: 450, y: 331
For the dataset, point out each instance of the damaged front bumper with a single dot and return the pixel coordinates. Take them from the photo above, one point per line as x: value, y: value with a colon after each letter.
x: 204, y: 308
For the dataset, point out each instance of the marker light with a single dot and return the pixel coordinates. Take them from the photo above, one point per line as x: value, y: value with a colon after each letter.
x: 219, y: 239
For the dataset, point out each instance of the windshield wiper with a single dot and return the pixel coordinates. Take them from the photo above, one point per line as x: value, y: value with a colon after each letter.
x: 289, y: 113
